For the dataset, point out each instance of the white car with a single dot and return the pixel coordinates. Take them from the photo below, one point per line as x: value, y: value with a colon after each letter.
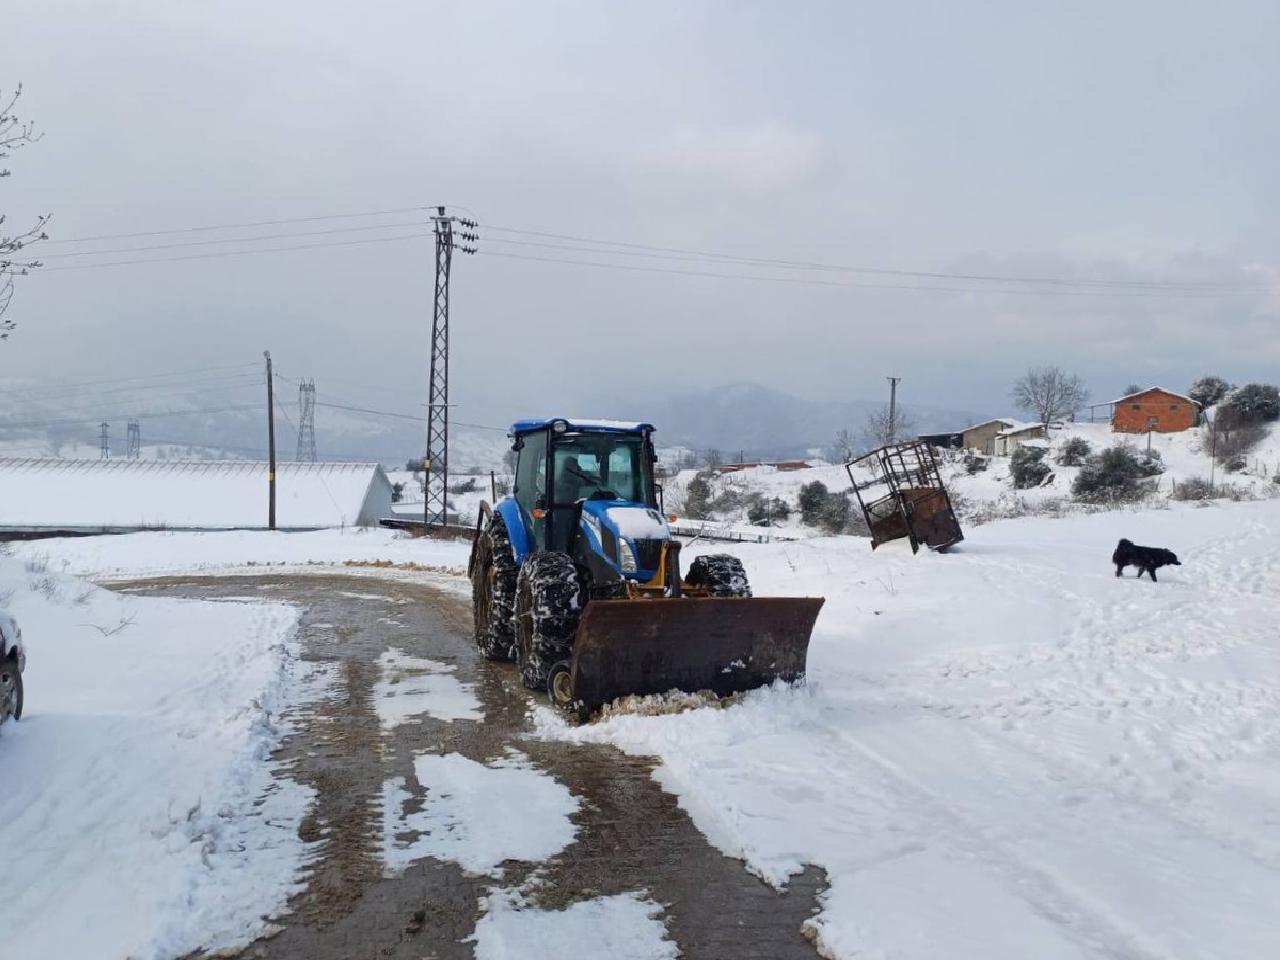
x: 13, y: 660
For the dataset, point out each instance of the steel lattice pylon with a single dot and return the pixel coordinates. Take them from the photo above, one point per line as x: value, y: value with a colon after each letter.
x: 436, y: 463
x: 306, y: 422
x: 133, y: 449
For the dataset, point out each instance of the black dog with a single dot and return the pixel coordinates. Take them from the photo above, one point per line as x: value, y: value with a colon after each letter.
x: 1146, y: 559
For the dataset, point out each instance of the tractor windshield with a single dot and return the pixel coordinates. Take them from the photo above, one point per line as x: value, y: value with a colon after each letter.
x: 600, y: 466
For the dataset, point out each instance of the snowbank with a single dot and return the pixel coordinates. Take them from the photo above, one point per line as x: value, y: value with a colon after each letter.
x: 159, y: 553
x: 137, y: 815
x: 1006, y: 751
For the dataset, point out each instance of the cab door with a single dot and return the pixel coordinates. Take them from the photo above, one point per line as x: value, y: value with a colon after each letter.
x: 531, y: 485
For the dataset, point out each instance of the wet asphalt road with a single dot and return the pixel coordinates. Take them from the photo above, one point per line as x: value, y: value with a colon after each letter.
x: 631, y: 836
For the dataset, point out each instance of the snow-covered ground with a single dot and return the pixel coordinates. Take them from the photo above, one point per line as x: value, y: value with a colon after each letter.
x: 162, y: 552
x: 138, y: 817
x: 1006, y: 751
x: 989, y: 494
x: 1003, y: 752
x: 622, y: 927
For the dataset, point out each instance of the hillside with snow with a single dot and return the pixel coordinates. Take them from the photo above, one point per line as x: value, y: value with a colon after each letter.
x: 988, y: 493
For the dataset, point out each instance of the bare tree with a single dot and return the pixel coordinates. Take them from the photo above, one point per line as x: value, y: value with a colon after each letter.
x: 1050, y: 393
x: 881, y: 428
x: 15, y: 133
x: 844, y: 447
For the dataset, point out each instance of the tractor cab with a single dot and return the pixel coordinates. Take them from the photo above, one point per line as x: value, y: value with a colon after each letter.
x: 586, y: 488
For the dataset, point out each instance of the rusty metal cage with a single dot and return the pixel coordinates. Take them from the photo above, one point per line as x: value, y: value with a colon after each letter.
x: 907, y: 497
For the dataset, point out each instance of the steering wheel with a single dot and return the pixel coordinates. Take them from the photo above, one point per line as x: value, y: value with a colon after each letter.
x: 604, y: 495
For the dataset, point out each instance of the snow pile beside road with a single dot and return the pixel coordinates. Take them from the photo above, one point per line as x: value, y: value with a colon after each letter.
x: 622, y: 927
x: 156, y: 554
x: 476, y: 815
x: 1006, y: 751
x: 138, y: 817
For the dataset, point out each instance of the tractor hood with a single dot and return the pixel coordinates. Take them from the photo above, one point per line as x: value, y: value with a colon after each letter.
x: 627, y: 535
x: 633, y: 521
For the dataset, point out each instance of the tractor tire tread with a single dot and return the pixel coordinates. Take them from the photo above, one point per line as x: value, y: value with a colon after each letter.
x: 550, y: 598
x: 493, y: 592
x: 720, y: 574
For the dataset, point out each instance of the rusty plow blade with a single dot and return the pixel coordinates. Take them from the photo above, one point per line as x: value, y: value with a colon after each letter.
x: 719, y: 644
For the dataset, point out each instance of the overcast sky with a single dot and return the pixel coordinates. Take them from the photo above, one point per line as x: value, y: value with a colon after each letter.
x: 1113, y: 141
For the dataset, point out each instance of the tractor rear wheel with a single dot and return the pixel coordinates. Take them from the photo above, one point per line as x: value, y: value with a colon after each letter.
x: 549, y: 602
x: 720, y: 575
x: 493, y: 591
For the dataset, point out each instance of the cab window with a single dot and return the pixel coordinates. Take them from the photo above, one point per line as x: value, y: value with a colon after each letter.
x: 599, y: 466
x: 531, y: 483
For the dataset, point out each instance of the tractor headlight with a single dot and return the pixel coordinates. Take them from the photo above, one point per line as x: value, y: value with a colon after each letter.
x: 626, y: 556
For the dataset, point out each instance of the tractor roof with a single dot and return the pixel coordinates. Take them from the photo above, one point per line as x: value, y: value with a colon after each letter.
x: 580, y: 425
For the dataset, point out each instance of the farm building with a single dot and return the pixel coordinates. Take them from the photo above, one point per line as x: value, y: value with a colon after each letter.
x: 943, y: 441
x: 1007, y: 441
x: 1154, y: 409
x: 982, y: 436
x: 41, y: 496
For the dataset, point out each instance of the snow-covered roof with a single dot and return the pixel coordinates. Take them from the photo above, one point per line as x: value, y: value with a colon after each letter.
x: 87, y: 495
x: 1172, y: 393
x: 986, y: 423
x: 1019, y: 427
x: 582, y: 423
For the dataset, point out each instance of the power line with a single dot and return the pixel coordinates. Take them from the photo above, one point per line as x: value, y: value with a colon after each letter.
x: 812, y: 265
x: 156, y: 376
x: 116, y: 416
x: 1059, y: 286
x: 233, y: 253
x: 221, y: 240
x: 149, y: 392
x: 809, y: 281
x: 242, y: 226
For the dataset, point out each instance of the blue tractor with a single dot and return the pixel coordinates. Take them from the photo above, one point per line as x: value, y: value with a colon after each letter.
x: 576, y: 577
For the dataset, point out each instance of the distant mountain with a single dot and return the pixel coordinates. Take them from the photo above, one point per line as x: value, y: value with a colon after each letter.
x: 768, y: 423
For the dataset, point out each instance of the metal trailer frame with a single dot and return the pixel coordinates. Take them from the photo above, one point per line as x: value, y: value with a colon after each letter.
x: 904, y: 469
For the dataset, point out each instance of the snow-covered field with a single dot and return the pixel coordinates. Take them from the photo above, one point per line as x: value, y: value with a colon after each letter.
x: 1003, y: 752
x: 138, y: 817
x: 1008, y: 752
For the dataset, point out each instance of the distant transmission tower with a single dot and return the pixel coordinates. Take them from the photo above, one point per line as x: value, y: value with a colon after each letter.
x: 307, y: 422
x: 134, y: 447
x: 436, y: 464
x: 104, y: 446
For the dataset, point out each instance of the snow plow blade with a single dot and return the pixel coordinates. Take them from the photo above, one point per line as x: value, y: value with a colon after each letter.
x: 724, y: 645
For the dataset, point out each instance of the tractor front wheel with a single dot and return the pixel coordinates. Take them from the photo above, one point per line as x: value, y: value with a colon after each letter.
x: 549, y: 602
x: 560, y: 692
x: 720, y: 575
x: 493, y: 591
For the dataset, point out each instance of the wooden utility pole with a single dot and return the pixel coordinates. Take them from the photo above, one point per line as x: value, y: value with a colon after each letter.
x: 271, y: 446
x: 893, y: 408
